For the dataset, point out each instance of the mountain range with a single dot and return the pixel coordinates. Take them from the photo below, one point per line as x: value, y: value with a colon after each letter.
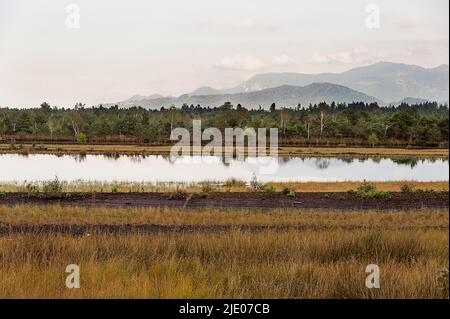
x: 384, y: 82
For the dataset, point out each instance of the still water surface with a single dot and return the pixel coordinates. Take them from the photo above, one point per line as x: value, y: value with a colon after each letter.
x: 20, y: 168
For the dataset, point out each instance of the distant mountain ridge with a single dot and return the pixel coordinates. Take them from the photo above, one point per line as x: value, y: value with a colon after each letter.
x: 285, y: 95
x: 384, y: 82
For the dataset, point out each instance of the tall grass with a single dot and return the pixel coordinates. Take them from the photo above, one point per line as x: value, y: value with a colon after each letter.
x: 411, y: 248
x: 326, y: 219
x: 227, y: 265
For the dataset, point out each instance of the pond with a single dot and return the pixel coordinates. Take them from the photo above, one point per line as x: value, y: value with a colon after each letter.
x: 157, y: 168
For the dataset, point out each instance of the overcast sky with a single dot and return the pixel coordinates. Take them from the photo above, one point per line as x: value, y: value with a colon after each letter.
x: 122, y: 48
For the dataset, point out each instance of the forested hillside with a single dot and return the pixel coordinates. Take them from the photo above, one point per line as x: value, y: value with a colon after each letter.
x: 336, y: 124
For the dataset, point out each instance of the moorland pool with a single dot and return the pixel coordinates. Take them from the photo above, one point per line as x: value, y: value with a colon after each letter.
x: 157, y: 168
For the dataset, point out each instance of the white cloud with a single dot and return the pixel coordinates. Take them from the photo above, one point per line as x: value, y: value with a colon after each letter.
x: 283, y: 59
x: 340, y: 57
x: 241, y: 62
x: 253, y: 63
x: 356, y: 55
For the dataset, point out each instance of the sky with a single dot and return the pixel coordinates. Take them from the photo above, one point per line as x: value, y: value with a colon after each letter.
x: 101, y: 51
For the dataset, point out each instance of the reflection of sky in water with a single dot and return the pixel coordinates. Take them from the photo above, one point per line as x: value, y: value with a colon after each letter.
x: 192, y: 169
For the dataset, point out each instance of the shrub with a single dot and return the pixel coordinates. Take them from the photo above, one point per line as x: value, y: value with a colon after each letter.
x: 52, y: 187
x: 288, y: 192
x: 207, y: 188
x: 81, y: 138
x: 255, y: 184
x: 114, y: 188
x: 268, y: 188
x: 233, y: 182
x: 406, y: 188
x: 31, y: 188
x: 13, y: 146
x: 291, y: 193
x: 179, y: 193
x: 366, y: 187
x: 420, y: 190
x: 369, y: 190
x: 373, y: 139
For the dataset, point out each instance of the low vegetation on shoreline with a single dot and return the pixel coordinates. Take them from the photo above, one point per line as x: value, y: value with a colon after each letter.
x: 144, y: 150
x: 411, y: 249
x: 232, y: 185
x: 324, y: 218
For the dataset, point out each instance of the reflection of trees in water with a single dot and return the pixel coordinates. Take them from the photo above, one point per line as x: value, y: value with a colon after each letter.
x: 412, y: 162
x: 377, y: 160
x: 80, y: 157
x: 347, y: 160
x: 112, y: 156
x: 136, y: 159
x: 322, y: 163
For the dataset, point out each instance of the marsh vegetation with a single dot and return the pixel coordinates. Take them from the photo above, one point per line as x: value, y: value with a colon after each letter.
x: 411, y: 249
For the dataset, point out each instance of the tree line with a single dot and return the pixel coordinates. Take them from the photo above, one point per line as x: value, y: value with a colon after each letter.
x: 424, y: 124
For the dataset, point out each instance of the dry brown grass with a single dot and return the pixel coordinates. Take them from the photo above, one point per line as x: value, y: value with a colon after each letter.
x: 363, y: 151
x: 292, y: 264
x: 392, y: 186
x: 283, y: 151
x: 237, y: 186
x: 327, y: 219
x: 230, y: 265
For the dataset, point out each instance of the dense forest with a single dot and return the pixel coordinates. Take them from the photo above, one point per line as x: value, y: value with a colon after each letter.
x: 336, y: 124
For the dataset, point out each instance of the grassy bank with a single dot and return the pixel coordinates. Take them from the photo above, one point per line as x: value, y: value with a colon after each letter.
x: 231, y: 185
x: 326, y: 219
x: 292, y: 264
x: 165, y: 150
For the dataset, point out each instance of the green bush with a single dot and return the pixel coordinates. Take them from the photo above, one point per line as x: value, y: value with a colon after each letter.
x: 420, y: 190
x: 291, y: 193
x: 81, y: 138
x: 369, y: 190
x: 373, y: 139
x: 288, y: 192
x: 268, y: 188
